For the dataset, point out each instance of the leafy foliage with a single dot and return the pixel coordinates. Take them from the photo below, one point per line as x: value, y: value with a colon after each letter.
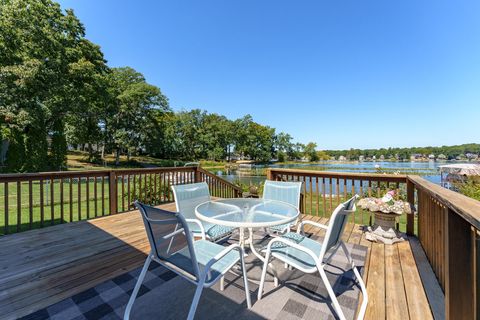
x: 450, y: 152
x: 470, y: 188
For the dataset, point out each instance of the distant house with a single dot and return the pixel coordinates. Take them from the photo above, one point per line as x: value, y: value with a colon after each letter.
x: 441, y: 156
x: 382, y: 157
x: 361, y: 158
x: 472, y: 156
x: 416, y: 157
x: 342, y: 158
x: 431, y: 157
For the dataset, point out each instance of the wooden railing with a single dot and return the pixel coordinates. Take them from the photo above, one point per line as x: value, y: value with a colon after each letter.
x: 446, y: 222
x: 448, y: 229
x: 218, y: 187
x: 323, y: 191
x: 35, y: 200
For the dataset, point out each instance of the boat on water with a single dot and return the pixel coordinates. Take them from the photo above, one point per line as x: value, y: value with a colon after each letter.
x: 452, y: 174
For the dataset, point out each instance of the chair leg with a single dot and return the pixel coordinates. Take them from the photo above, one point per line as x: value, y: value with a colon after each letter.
x: 245, y: 279
x: 363, y: 307
x: 126, y: 315
x: 331, y: 293
x: 264, y: 273
x: 196, y: 299
x: 222, y: 283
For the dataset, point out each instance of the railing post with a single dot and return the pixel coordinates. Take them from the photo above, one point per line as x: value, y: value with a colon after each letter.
x: 198, y: 176
x: 411, y: 201
x: 112, y: 182
x: 460, y: 261
x: 269, y: 174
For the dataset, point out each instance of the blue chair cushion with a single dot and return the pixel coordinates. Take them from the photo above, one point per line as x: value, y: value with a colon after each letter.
x: 280, y: 228
x: 216, y: 232
x: 295, y: 257
x: 212, y: 231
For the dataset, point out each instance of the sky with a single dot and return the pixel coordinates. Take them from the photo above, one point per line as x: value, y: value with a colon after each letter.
x: 344, y: 74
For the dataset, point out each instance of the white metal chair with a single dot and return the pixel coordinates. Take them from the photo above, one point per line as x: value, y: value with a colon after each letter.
x: 288, y: 192
x: 309, y: 256
x: 187, y: 197
x: 200, y: 262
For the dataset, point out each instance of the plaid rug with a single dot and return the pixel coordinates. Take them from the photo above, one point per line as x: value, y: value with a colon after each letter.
x: 164, y: 295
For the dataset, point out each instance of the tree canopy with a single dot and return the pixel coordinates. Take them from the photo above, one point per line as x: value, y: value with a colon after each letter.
x: 57, y: 92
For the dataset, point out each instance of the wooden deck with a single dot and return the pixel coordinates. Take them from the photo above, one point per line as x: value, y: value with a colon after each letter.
x: 41, y: 267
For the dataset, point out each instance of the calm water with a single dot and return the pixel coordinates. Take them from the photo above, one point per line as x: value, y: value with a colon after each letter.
x: 429, y: 170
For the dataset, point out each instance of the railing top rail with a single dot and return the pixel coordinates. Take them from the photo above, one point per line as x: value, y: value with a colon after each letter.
x: 228, y: 183
x: 466, y: 207
x: 152, y: 170
x: 343, y: 175
x: 12, y: 177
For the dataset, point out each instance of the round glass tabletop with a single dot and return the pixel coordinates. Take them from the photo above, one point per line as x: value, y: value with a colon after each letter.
x: 246, y: 213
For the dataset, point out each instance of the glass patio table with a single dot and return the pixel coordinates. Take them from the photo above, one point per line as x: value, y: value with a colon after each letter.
x: 248, y: 213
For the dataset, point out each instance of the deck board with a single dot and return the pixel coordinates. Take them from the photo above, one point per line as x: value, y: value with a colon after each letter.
x: 44, y: 266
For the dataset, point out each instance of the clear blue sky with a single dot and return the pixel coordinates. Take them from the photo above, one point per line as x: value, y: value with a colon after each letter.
x: 340, y: 73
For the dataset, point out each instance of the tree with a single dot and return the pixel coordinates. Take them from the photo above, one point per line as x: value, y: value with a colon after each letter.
x: 90, y: 98
x: 298, y: 150
x: 36, y: 78
x: 310, y: 151
x: 284, y: 146
x: 134, y: 106
x: 254, y: 140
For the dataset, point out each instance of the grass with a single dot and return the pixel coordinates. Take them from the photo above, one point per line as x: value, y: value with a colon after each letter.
x: 76, y: 205
x: 78, y: 160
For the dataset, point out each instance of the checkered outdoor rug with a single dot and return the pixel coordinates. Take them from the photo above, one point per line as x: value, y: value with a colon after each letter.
x: 164, y: 295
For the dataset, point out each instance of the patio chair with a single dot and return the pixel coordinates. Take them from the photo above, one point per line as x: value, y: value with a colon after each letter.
x: 309, y: 256
x: 288, y: 192
x: 200, y: 262
x: 187, y: 197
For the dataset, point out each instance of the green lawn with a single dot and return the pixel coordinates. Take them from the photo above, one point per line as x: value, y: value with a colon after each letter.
x: 75, y: 205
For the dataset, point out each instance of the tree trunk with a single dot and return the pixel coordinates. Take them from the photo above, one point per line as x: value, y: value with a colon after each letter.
x: 4, y: 150
x: 117, y: 157
x: 90, y: 151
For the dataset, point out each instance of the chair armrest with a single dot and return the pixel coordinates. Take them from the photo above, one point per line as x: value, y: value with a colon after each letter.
x: 223, y: 253
x: 293, y: 245
x: 202, y: 229
x: 312, y: 223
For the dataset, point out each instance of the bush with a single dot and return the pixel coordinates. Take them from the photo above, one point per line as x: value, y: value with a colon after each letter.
x: 470, y: 188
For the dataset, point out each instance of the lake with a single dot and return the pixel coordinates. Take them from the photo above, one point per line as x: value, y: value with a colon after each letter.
x: 429, y: 170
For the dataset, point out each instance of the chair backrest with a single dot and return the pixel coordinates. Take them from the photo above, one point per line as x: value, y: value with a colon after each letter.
x: 288, y: 192
x: 170, y: 239
x: 188, y: 196
x: 337, y: 224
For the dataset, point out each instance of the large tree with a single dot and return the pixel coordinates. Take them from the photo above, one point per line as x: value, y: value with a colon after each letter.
x: 132, y: 110
x: 43, y: 51
x: 254, y: 140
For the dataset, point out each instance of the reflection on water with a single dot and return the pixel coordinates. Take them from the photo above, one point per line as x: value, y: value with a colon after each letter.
x: 429, y: 170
